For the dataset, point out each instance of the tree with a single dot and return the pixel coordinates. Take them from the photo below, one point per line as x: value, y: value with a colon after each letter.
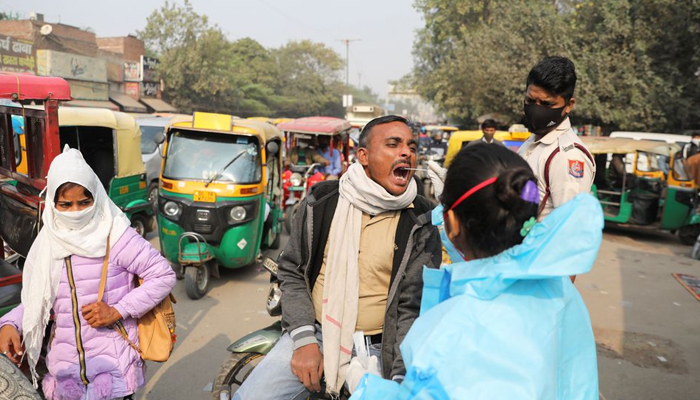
x: 636, y: 60
x: 467, y: 44
x: 308, y: 79
x: 194, y: 57
x: 203, y: 70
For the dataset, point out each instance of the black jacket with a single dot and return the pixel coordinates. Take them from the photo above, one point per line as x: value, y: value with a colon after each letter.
x: 417, y: 242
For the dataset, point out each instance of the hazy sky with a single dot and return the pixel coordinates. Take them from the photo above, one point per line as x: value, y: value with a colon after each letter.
x: 386, y: 27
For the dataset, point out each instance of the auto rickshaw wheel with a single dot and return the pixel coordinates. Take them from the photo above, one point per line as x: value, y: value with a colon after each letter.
x: 138, y: 222
x: 689, y: 234
x: 153, y: 195
x: 196, y: 281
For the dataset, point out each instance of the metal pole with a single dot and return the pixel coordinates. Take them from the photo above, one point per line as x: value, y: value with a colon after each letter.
x: 347, y: 64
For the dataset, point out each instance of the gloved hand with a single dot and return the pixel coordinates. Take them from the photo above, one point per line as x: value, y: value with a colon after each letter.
x: 436, y: 173
x: 357, y: 370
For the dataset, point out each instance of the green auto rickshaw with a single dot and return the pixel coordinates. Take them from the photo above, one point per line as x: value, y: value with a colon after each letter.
x: 110, y: 142
x: 643, y: 184
x: 220, y: 195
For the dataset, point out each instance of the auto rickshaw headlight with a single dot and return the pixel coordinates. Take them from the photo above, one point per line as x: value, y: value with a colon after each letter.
x: 237, y: 213
x: 171, y: 209
x: 296, y: 179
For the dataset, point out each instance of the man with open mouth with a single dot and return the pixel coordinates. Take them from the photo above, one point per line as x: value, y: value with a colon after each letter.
x: 352, y: 268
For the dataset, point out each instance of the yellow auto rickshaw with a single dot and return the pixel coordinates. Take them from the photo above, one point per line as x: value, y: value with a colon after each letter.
x: 220, y: 195
x: 460, y: 139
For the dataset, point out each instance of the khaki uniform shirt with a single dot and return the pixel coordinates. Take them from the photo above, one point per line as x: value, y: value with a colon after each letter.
x: 375, y: 261
x: 570, y: 172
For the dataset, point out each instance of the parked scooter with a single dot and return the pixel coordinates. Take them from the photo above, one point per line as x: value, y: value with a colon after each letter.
x: 248, y: 351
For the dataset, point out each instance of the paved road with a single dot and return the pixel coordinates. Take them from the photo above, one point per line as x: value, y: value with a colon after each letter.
x: 646, y: 324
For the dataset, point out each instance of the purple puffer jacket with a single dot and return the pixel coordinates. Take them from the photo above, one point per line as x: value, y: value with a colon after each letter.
x: 111, y: 366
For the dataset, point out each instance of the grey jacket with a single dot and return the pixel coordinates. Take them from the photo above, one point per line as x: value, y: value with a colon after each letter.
x: 417, y: 242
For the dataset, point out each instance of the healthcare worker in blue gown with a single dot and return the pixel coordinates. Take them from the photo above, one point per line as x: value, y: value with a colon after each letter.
x: 503, y: 321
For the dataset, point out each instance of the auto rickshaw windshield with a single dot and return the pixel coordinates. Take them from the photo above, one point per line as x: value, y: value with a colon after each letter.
x: 218, y: 157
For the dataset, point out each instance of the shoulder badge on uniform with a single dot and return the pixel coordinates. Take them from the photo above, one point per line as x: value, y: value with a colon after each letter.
x: 576, y: 168
x: 566, y: 142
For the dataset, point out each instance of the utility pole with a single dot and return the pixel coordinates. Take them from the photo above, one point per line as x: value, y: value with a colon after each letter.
x: 347, y: 65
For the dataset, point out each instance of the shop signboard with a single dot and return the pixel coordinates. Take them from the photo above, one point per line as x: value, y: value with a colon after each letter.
x: 71, y: 66
x: 132, y: 71
x: 17, y: 55
x: 149, y: 67
x: 132, y: 89
x: 83, y: 90
x: 149, y: 89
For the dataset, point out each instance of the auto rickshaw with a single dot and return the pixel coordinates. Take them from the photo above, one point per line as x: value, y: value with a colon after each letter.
x: 460, y: 139
x: 635, y: 190
x: 23, y: 169
x: 300, y: 177
x: 110, y: 142
x: 220, y: 195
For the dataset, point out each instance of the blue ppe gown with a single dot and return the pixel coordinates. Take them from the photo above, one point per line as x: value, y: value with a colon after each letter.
x: 511, y: 326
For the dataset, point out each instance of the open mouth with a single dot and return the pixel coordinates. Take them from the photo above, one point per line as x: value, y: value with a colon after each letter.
x: 401, y: 173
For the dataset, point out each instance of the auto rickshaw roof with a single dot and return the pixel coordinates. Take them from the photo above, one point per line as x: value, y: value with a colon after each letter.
x: 454, y: 145
x: 263, y: 130
x: 608, y: 145
x: 161, y: 120
x: 447, y: 128
x: 30, y: 87
x: 127, y: 132
x: 316, y: 125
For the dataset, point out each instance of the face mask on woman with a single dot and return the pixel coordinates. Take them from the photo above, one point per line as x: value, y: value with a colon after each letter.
x: 75, y: 220
x: 696, y: 142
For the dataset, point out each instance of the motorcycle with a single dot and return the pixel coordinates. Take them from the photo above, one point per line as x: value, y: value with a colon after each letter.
x: 248, y: 351
x: 296, y: 183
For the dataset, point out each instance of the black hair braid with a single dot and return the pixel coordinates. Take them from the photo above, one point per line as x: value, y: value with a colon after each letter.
x: 493, y: 216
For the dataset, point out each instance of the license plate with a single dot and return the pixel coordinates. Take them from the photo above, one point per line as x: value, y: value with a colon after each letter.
x: 204, y: 196
x: 270, y: 265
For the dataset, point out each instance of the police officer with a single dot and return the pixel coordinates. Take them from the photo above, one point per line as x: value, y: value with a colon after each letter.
x: 562, y: 164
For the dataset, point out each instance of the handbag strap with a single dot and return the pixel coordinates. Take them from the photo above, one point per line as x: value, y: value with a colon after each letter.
x: 103, y: 278
x: 119, y: 328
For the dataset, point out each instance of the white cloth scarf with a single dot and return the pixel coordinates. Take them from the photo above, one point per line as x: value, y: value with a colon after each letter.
x: 42, y: 270
x: 358, y: 194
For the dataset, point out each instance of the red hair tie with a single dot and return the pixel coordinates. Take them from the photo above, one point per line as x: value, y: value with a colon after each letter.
x: 472, y: 191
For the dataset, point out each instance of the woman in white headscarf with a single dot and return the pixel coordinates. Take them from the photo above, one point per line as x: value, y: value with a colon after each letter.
x: 87, y: 358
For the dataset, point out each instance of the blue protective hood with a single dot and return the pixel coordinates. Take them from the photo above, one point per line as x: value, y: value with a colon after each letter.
x: 565, y: 243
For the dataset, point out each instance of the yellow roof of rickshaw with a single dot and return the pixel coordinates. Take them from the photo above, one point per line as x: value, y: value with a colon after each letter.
x: 448, y: 128
x: 261, y: 119
x: 127, y: 131
x: 278, y: 121
x: 208, y: 122
x: 457, y: 138
x: 609, y: 145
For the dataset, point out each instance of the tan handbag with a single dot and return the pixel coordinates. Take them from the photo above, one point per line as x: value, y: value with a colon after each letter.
x: 156, y: 328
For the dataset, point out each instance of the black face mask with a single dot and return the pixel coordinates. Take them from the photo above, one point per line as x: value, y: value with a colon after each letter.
x: 541, y: 120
